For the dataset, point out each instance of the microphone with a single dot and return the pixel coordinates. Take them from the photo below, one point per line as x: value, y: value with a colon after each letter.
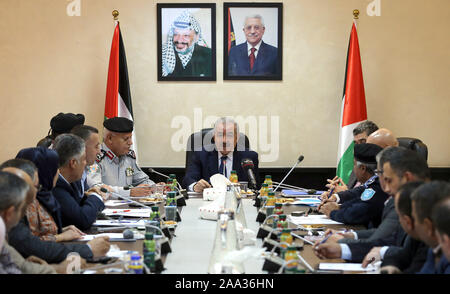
x: 104, y: 190
x: 300, y: 158
x: 151, y: 170
x: 247, y: 165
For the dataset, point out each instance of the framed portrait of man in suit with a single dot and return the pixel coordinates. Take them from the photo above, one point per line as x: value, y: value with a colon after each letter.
x: 252, y: 41
x: 186, y: 41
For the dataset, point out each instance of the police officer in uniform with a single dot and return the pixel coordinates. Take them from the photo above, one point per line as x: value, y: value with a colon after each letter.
x: 116, y: 164
x: 364, y: 204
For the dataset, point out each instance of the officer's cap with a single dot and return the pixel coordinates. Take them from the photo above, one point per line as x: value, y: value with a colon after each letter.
x: 64, y: 122
x: 366, y: 153
x: 119, y: 125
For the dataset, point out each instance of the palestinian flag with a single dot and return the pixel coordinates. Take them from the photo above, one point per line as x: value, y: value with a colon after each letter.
x: 231, y: 35
x: 353, y: 109
x: 118, y: 95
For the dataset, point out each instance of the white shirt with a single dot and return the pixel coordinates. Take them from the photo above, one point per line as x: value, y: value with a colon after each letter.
x: 228, y: 164
x: 249, y: 48
x: 93, y: 193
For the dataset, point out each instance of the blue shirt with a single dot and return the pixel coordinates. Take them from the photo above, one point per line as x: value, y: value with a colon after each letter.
x: 429, y: 267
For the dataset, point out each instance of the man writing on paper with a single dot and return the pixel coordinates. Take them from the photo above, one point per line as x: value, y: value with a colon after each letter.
x: 186, y: 53
x: 396, y: 166
x: 364, y: 204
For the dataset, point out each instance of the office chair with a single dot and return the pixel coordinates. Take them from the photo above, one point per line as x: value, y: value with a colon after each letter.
x: 414, y: 144
x: 205, y: 138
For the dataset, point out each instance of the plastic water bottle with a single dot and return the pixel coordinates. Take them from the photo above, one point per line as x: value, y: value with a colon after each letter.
x: 136, y: 266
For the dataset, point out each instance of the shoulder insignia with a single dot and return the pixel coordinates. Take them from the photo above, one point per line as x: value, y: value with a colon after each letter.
x: 367, y: 194
x: 110, y: 155
x: 131, y: 154
x: 100, y: 156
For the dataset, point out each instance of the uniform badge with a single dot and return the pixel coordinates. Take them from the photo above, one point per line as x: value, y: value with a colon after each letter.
x: 129, y: 171
x: 93, y: 168
x: 367, y: 194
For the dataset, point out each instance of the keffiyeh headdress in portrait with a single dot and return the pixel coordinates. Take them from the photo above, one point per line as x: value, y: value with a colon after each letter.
x: 184, y: 21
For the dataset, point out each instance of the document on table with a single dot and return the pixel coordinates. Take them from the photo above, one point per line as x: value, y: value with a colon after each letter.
x: 115, y: 236
x: 307, y: 201
x: 294, y: 193
x: 350, y: 267
x: 113, y: 203
x: 122, y: 223
x: 319, y: 219
x: 133, y: 212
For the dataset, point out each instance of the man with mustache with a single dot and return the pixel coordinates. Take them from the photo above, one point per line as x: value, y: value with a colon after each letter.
x: 186, y: 53
x: 221, y: 157
x: 254, y: 57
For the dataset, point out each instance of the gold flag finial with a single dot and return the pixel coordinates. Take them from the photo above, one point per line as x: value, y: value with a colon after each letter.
x: 356, y: 14
x: 115, y: 13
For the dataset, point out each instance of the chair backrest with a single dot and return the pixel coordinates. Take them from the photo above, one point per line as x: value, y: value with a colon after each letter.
x: 205, y: 137
x: 414, y: 144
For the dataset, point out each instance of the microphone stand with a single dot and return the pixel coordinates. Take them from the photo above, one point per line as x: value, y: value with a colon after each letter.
x: 298, y: 161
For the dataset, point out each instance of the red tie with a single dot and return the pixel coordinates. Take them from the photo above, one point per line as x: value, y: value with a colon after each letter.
x: 252, y: 58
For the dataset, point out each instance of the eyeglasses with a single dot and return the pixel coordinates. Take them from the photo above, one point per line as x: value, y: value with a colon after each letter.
x: 378, y: 171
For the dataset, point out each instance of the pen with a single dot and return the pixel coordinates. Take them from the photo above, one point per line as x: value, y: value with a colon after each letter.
x: 325, y: 239
x: 126, y: 210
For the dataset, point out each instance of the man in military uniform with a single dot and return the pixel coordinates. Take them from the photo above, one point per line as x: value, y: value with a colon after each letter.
x: 362, y: 205
x: 116, y: 165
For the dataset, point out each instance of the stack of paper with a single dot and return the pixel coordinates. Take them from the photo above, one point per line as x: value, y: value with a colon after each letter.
x: 350, y: 267
x: 120, y: 223
x: 114, y: 236
x: 312, y: 220
x: 307, y: 201
x: 297, y: 193
x: 130, y: 212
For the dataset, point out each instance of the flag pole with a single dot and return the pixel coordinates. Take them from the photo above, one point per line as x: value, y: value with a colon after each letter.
x: 355, y: 15
x: 115, y: 14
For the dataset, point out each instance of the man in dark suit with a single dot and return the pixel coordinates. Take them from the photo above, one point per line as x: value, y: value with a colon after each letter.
x: 396, y: 166
x: 254, y: 57
x: 221, y: 157
x: 75, y: 210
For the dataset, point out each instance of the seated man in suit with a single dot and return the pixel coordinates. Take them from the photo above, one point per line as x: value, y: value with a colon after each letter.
x: 410, y: 256
x: 424, y: 199
x: 254, y: 57
x: 364, y: 204
x: 396, y: 166
x: 77, y: 210
x: 441, y: 220
x: 221, y: 157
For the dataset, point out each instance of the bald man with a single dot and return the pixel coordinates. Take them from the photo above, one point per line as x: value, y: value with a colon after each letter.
x: 383, y: 138
x: 33, y: 264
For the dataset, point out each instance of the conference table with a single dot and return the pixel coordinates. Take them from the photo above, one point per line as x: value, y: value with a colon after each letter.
x: 192, y: 240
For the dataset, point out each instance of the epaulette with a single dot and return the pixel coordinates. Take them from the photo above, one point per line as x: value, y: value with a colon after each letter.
x: 100, y: 156
x: 131, y: 154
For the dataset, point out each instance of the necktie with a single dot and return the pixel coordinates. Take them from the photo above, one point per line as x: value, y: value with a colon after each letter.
x: 252, y: 57
x: 222, y: 167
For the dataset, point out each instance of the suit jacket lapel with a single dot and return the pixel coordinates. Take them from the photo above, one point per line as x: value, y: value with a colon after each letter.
x: 213, y: 163
x: 260, y: 59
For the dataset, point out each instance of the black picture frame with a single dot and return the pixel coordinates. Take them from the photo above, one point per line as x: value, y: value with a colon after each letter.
x: 234, y: 65
x: 205, y: 67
